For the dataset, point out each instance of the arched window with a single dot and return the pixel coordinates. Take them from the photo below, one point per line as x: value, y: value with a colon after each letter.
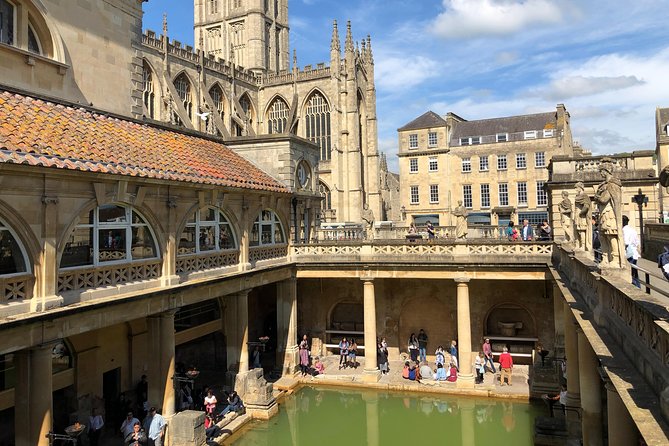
x: 267, y: 230
x: 34, y: 44
x: 317, y: 119
x: 277, y: 116
x: 183, y: 87
x: 324, y: 190
x: 206, y: 230
x: 109, y: 233
x: 30, y: 28
x: 7, y: 22
x: 216, y: 94
x: 247, y: 108
x: 148, y: 94
x: 12, y: 253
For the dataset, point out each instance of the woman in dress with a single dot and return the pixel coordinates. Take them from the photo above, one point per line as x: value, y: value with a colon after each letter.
x: 452, y: 373
x: 413, y: 347
x: 343, y: 353
x: 304, y: 356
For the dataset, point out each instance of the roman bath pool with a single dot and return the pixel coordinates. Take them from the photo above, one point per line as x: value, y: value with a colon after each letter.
x: 323, y: 417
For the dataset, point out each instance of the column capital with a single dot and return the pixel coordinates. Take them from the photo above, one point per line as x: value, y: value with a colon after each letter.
x: 462, y: 280
x: 367, y: 279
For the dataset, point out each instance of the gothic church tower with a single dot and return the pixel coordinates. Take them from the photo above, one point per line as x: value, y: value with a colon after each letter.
x: 252, y: 33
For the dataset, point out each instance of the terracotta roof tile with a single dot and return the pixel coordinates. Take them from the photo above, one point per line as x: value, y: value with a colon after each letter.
x: 41, y: 133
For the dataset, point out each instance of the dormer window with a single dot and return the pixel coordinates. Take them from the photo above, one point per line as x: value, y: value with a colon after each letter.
x: 530, y: 134
x: 548, y: 133
x: 470, y: 141
x: 502, y: 137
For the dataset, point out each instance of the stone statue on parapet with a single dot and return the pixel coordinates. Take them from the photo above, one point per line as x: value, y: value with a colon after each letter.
x: 460, y: 213
x: 609, y: 203
x: 566, y: 217
x: 368, y: 219
x: 583, y: 216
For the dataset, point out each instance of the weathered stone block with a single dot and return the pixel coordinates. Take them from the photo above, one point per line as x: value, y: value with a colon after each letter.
x: 187, y: 428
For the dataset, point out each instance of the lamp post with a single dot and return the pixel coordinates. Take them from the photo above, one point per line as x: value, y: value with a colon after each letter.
x: 641, y: 200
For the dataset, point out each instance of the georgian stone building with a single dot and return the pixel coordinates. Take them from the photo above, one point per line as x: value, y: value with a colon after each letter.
x: 497, y: 167
x: 662, y: 154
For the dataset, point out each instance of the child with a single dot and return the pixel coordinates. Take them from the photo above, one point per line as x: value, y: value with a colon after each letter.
x: 479, y: 367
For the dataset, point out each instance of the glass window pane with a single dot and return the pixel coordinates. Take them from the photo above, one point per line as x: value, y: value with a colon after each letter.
x: 137, y: 219
x: 143, y: 245
x: 11, y: 257
x: 266, y: 234
x: 110, y: 213
x: 254, y: 235
x: 111, y: 244
x: 187, y: 241
x: 79, y: 249
x: 225, y: 240
x: 278, y: 234
x: 207, y: 238
x: 208, y: 215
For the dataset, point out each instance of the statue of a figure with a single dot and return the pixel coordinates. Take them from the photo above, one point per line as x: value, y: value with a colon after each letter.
x: 460, y: 213
x: 609, y: 201
x: 368, y: 218
x: 583, y: 216
x: 566, y: 217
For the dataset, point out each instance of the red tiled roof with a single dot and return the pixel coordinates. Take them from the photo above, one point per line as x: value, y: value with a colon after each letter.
x: 41, y: 133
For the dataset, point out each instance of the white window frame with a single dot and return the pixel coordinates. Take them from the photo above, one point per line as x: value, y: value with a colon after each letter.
x: 414, y: 195
x: 434, y: 193
x: 14, y: 23
x: 433, y: 164
x: 413, y: 165
x: 432, y: 139
x: 549, y: 133
x: 198, y: 223
x: 474, y: 140
x: 467, y: 196
x: 465, y: 141
x: 537, y: 156
x: 484, y: 166
x: 466, y: 165
x: 521, y: 161
x: 413, y: 141
x: 503, y: 194
x: 530, y: 134
x: 502, y: 137
x: 503, y: 158
x: 521, y: 187
x: 542, y: 195
x: 274, y: 223
x: 485, y: 196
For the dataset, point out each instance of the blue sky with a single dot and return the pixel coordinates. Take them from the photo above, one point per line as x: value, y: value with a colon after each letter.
x: 606, y: 60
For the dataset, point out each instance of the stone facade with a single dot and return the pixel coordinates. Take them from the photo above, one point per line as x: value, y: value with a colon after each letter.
x: 662, y: 154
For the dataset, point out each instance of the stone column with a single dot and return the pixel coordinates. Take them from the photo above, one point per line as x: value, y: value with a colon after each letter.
x: 467, y: 424
x: 371, y: 371
x: 466, y: 377
x: 372, y: 413
x: 33, y: 396
x: 45, y: 293
x: 286, y: 313
x: 167, y: 369
x: 571, y: 353
x: 558, y: 312
x: 622, y: 430
x: 243, y: 330
x: 169, y: 276
x: 591, y: 395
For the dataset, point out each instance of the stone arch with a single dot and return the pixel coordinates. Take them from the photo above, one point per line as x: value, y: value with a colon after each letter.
x: 439, y: 326
x: 285, y: 229
x: 250, y: 113
x: 45, y: 29
x: 508, y: 313
x: 190, y: 100
x: 232, y: 219
x: 25, y: 235
x: 154, y: 100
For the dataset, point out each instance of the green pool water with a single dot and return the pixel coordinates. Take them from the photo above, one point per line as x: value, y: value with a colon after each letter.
x: 323, y: 417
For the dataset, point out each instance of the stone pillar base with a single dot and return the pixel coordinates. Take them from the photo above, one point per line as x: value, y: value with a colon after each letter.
x: 45, y: 303
x: 465, y: 382
x: 371, y: 376
x: 261, y: 411
x: 170, y: 280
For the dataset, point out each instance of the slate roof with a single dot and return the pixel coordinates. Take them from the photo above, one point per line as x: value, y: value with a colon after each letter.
x: 42, y: 133
x: 663, y: 118
x: 510, y: 124
x: 425, y: 121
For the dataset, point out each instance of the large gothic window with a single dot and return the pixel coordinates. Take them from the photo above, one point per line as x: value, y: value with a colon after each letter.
x: 12, y: 253
x: 277, y: 116
x: 184, y: 90
x: 318, y: 124
x: 109, y: 233
x: 267, y: 230
x: 148, y: 94
x: 216, y: 94
x: 324, y: 190
x: 247, y: 108
x: 206, y: 230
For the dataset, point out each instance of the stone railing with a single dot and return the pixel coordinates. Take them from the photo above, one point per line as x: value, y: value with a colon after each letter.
x: 287, y: 77
x: 16, y: 287
x: 203, y: 262
x: 400, y: 233
x: 259, y: 253
x: 108, y: 275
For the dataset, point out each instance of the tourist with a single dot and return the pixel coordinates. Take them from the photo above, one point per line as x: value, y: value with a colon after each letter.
x: 413, y: 347
x: 304, y: 356
x: 210, y: 402
x: 440, y: 374
x: 479, y: 367
x: 422, y: 345
x: 128, y: 424
x: 506, y: 364
x: 416, y: 368
x: 487, y: 355
x: 155, y: 426
x: 596, y: 243
x: 95, y: 424
x: 511, y: 232
x: 545, y: 231
x: 454, y: 353
x: 212, y: 431
x: 430, y: 230
x: 136, y: 436
x: 425, y: 371
x: 452, y: 373
x: 561, y: 397
x: 412, y: 228
x: 384, y: 343
x: 343, y: 353
x: 528, y: 231
x: 631, y: 240
x: 410, y: 372
x: 439, y: 356
x: 235, y: 404
x: 319, y: 367
x: 352, y: 350
x: 382, y: 357
x: 257, y: 362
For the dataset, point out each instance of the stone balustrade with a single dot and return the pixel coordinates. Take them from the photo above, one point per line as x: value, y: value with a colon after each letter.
x: 16, y: 287
x: 198, y: 262
x: 73, y: 279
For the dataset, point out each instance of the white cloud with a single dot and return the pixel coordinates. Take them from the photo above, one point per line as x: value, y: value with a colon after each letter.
x: 398, y: 72
x: 575, y: 86
x: 478, y: 18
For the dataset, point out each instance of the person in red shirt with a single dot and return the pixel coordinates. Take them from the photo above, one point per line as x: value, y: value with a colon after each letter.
x: 506, y: 364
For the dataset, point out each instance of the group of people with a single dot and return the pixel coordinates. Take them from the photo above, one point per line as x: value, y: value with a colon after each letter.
x: 150, y: 433
x: 233, y: 403
x: 317, y: 368
x: 527, y: 233
x: 429, y: 228
x: 347, y: 353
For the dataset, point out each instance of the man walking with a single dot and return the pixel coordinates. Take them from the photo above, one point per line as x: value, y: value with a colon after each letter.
x: 155, y: 426
x: 506, y: 364
x: 422, y: 345
x: 487, y: 355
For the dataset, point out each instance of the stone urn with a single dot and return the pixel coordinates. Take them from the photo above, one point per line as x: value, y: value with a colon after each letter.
x: 509, y: 328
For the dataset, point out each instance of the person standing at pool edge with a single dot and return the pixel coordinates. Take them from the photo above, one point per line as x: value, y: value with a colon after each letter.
x: 422, y: 345
x: 506, y: 364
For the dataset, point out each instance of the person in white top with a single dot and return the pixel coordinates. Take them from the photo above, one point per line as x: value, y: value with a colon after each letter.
x: 210, y: 401
x: 631, y: 240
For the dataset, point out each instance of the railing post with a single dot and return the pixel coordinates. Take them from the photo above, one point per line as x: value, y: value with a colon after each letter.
x: 647, y: 282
